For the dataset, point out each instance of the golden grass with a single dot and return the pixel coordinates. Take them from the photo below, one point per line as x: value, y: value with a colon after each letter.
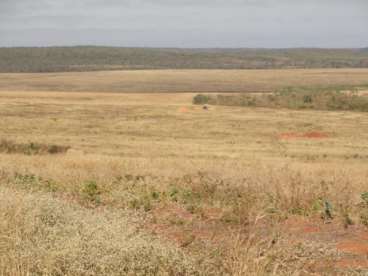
x: 171, y: 81
x: 45, y: 236
x: 152, y: 153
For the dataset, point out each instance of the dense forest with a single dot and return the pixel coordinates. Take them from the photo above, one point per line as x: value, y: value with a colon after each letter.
x: 90, y: 58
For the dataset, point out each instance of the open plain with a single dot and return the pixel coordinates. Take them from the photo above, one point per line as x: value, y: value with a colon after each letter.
x: 187, y: 81
x: 150, y: 184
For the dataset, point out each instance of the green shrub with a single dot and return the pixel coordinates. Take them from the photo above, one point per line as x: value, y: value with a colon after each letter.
x: 28, y: 181
x: 91, y: 191
x: 201, y: 99
x: 141, y: 203
x: 307, y: 99
x: 34, y: 183
x: 364, y: 197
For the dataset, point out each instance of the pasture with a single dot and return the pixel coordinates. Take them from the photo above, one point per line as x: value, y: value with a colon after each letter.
x: 184, y: 81
x: 150, y: 184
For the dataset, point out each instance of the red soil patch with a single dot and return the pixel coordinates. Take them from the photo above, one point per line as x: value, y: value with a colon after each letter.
x: 169, y: 223
x: 173, y: 211
x: 315, y: 134
x: 174, y: 223
x: 298, y: 225
x: 356, y: 243
x: 180, y: 226
x: 351, y: 243
x: 364, y: 235
x: 357, y: 247
x: 357, y: 250
x: 348, y: 263
x: 183, y: 109
x: 211, y: 213
x: 306, y: 135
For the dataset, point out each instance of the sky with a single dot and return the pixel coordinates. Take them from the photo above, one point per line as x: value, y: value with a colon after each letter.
x: 185, y: 23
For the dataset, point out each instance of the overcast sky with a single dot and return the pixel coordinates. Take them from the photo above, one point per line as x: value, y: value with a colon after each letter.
x: 185, y: 23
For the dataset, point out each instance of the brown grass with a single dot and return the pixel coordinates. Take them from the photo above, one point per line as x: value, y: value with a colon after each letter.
x: 171, y: 81
x: 151, y: 189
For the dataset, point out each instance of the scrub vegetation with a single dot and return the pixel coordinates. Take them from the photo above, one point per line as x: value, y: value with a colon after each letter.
x: 341, y: 98
x: 66, y: 59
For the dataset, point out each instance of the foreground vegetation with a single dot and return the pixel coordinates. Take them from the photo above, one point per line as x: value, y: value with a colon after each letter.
x: 46, y: 236
x: 61, y: 237
x: 149, y: 184
x: 65, y: 59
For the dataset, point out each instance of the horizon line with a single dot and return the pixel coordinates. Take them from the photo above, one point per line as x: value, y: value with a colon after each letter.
x: 189, y: 48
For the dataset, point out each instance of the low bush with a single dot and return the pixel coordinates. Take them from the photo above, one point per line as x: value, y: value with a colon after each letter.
x: 91, y: 192
x: 11, y: 147
x: 201, y: 99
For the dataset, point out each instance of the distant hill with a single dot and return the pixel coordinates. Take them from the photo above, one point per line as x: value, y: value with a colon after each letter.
x: 90, y: 58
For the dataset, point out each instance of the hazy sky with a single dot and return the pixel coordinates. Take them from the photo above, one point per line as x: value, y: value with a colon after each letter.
x: 185, y: 23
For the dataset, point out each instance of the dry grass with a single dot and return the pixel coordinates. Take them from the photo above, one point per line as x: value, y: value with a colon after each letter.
x: 171, y: 81
x: 165, y: 187
x: 41, y: 235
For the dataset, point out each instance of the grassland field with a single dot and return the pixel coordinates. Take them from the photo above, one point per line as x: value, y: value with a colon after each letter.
x: 150, y: 184
x: 188, y: 81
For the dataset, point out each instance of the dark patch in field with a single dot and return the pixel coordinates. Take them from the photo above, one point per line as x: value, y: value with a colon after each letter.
x: 10, y: 147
